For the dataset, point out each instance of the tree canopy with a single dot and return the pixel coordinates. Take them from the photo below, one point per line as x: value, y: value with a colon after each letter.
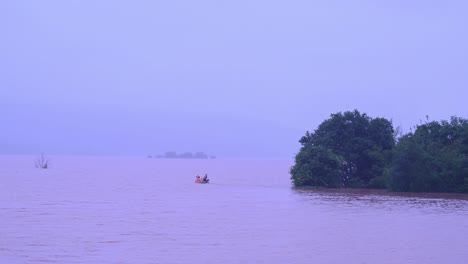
x: 432, y: 159
x: 351, y: 149
x: 347, y: 150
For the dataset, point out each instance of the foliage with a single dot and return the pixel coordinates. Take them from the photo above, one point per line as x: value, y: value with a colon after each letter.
x: 347, y: 150
x: 316, y: 166
x: 351, y: 149
x: 432, y: 159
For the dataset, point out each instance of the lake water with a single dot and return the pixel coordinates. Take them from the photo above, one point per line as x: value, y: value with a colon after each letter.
x: 138, y: 210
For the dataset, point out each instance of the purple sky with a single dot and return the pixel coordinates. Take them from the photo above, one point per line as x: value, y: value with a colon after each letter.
x: 231, y: 78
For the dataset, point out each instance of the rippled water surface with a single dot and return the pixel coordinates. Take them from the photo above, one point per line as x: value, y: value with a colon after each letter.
x: 136, y: 210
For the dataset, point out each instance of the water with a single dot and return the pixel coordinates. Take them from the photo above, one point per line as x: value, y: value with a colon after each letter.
x: 137, y: 210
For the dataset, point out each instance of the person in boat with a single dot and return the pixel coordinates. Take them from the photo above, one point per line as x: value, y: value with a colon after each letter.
x: 205, y: 178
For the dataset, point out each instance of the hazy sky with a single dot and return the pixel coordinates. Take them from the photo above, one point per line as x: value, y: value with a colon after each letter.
x: 231, y: 78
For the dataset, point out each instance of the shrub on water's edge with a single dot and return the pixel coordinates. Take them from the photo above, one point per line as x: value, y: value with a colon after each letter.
x: 352, y: 150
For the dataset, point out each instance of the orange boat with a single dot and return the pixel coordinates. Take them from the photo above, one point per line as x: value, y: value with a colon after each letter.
x: 202, y: 181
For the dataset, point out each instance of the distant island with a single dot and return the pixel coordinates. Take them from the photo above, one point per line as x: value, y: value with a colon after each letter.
x: 353, y: 150
x: 185, y: 155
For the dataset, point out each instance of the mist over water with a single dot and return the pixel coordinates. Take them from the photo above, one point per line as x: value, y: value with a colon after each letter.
x: 234, y: 79
x: 137, y: 210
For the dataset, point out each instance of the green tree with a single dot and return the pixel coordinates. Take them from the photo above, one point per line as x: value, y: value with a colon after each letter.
x: 361, y: 146
x: 432, y: 159
x: 316, y: 166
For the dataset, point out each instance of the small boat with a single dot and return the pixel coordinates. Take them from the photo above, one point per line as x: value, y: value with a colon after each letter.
x: 201, y: 180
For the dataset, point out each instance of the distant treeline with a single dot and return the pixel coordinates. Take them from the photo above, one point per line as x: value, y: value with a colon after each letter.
x: 352, y: 150
x: 185, y: 155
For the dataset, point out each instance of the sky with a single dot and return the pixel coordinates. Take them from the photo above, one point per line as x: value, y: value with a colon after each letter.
x: 235, y: 79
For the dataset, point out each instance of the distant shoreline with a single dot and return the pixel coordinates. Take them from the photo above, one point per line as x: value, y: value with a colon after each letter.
x: 185, y: 155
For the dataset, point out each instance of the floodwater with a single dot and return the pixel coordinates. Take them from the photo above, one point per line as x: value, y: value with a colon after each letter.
x: 138, y: 210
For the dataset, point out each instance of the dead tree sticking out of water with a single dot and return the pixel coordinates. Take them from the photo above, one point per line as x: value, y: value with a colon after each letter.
x: 42, y: 162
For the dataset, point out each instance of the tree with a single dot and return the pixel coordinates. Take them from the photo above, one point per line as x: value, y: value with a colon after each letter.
x: 186, y: 155
x: 361, y: 145
x: 316, y: 166
x: 432, y: 159
x: 171, y: 155
x: 200, y: 155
